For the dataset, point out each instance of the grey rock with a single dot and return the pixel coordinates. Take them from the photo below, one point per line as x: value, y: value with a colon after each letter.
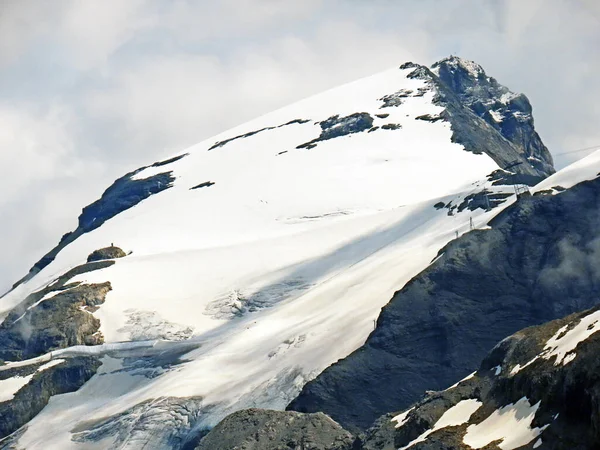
x: 506, y: 112
x: 337, y: 126
x: 202, y: 185
x: 254, y: 132
x: 472, y: 102
x: 395, y: 99
x: 483, y: 199
x: 429, y: 118
x: 59, y: 284
x: 241, y: 136
x: 111, y: 252
x: 258, y: 429
x: 31, y: 398
x: 58, y: 322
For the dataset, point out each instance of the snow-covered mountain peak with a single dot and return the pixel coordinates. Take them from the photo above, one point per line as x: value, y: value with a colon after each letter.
x: 508, y: 113
x: 263, y: 255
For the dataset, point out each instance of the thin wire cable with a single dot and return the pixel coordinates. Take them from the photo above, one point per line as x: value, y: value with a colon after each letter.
x: 578, y: 150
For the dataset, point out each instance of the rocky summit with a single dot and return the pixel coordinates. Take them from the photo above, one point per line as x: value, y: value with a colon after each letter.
x: 316, y: 279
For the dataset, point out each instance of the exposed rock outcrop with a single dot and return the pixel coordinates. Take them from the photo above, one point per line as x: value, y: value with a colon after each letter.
x: 252, y: 133
x: 505, y: 111
x: 57, y: 322
x: 111, y: 252
x: 67, y: 376
x: 259, y: 429
x: 55, y: 317
x: 487, y: 117
x: 337, y: 126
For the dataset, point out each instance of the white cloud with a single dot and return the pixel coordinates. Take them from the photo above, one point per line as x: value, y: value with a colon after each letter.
x: 33, y: 148
x: 20, y: 23
x: 176, y: 100
x: 92, y: 31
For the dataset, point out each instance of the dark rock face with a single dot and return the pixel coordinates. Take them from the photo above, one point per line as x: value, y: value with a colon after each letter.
x: 387, y: 434
x: 252, y: 133
x: 257, y: 429
x: 538, y: 262
x: 235, y: 138
x: 55, y: 323
x: 32, y: 329
x: 429, y: 118
x: 468, y: 93
x: 506, y: 112
x: 484, y: 199
x: 125, y: 193
x: 111, y: 252
x: 337, y: 126
x: 68, y: 376
x: 170, y: 160
x: 202, y: 185
x: 395, y: 99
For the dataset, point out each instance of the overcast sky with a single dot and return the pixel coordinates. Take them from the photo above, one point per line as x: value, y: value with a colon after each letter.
x: 90, y: 89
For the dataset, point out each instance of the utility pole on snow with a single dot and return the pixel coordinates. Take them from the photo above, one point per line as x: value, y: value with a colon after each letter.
x: 471, y: 226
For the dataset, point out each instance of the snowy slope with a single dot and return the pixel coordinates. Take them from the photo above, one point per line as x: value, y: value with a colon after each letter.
x: 585, y: 169
x: 273, y: 270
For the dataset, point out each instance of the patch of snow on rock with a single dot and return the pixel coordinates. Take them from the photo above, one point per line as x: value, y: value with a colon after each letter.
x: 457, y: 415
x: 511, y: 424
x: 562, y: 344
x: 10, y: 386
x: 565, y: 341
x: 497, y: 116
x: 48, y: 365
x: 402, y: 417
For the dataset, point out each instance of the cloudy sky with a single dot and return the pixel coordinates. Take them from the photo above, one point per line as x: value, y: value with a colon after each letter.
x: 90, y: 89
